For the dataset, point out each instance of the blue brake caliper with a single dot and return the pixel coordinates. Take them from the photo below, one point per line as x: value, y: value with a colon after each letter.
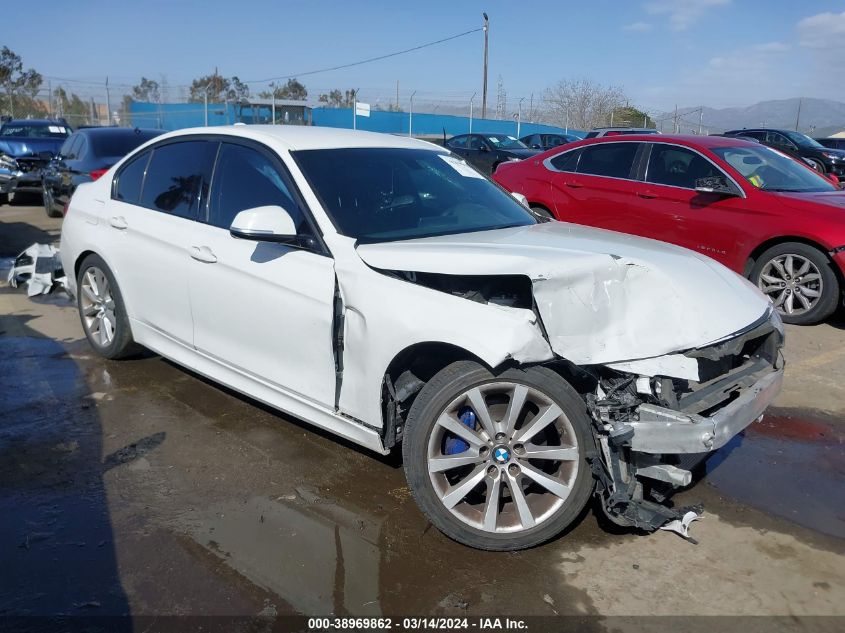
x: 455, y: 445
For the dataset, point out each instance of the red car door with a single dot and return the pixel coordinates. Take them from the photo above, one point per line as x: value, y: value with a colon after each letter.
x: 669, y: 208
x: 593, y: 185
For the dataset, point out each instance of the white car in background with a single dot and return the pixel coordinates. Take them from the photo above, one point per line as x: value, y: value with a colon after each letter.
x: 380, y: 288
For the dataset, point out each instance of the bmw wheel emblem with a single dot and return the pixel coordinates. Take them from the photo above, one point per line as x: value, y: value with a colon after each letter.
x: 501, y: 454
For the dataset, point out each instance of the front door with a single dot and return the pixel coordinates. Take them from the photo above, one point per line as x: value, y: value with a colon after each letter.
x: 264, y: 309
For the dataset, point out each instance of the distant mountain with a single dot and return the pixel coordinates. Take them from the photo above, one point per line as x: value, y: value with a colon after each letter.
x: 824, y: 115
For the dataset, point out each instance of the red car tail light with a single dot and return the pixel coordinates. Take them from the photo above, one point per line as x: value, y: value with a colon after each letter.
x: 97, y: 173
x: 65, y: 208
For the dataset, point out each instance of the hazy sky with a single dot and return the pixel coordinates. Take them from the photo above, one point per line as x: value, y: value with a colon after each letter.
x: 661, y: 52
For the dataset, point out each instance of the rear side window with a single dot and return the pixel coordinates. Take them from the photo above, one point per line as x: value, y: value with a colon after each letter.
x: 244, y: 179
x: 178, y: 177
x: 131, y: 178
x: 459, y: 142
x: 678, y: 166
x: 568, y: 161
x: 613, y: 160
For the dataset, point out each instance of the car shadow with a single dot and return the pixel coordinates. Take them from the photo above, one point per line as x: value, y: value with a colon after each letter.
x: 57, y: 538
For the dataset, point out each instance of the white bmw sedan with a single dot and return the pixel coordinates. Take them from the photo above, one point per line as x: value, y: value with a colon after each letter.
x: 382, y: 289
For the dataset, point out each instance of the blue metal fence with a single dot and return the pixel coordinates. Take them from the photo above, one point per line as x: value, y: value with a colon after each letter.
x: 174, y: 116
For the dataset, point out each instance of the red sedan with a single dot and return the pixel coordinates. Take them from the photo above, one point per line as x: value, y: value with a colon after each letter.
x: 755, y: 210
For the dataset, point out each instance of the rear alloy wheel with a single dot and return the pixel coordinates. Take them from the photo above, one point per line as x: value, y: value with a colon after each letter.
x: 498, y: 462
x: 815, y: 164
x: 799, y: 281
x: 49, y: 203
x: 101, y: 310
x: 542, y: 211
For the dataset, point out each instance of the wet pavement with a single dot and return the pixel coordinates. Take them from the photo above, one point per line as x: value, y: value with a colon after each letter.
x: 136, y: 487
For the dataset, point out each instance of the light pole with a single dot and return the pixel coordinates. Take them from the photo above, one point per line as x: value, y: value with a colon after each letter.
x: 411, y: 115
x: 471, y: 99
x: 484, y: 93
x: 519, y: 116
x: 355, y: 109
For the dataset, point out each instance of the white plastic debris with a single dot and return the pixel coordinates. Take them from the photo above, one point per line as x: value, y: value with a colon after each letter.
x: 40, y: 268
x: 681, y: 526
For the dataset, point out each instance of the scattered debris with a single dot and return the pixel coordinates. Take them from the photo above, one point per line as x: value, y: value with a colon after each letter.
x: 40, y: 267
x: 681, y: 526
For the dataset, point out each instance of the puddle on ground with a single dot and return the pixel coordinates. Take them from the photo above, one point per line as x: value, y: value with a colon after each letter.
x: 791, y: 465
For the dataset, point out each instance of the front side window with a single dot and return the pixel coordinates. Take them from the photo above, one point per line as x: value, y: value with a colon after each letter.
x: 130, y: 179
x: 613, y: 160
x: 178, y: 177
x: 769, y: 170
x: 386, y: 194
x: 802, y: 140
x: 678, y: 167
x: 245, y: 178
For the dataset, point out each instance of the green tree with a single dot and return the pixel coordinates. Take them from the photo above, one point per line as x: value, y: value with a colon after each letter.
x: 21, y: 86
x: 147, y: 90
x: 337, y: 99
x: 629, y: 116
x: 72, y: 107
x: 292, y: 89
x: 215, y: 86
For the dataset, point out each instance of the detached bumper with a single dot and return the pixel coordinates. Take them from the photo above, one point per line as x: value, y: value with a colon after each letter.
x: 662, y: 430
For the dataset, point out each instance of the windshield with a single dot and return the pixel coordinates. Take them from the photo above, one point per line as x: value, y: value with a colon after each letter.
x: 34, y: 131
x: 506, y: 142
x: 802, y: 140
x: 769, y: 170
x: 384, y: 194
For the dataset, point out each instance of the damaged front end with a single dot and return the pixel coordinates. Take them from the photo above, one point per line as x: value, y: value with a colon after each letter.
x: 651, y: 430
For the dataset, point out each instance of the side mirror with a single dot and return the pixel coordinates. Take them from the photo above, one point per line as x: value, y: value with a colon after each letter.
x: 521, y: 199
x: 484, y: 148
x: 716, y: 184
x: 264, y: 224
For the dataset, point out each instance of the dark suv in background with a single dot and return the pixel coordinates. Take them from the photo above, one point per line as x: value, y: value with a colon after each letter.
x: 801, y: 146
x: 29, y: 145
x: 487, y: 151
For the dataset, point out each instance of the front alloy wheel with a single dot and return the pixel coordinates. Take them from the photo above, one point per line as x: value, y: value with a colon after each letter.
x: 504, y: 461
x: 799, y: 281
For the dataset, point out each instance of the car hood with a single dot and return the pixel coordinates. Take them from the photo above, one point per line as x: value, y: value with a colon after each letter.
x: 520, y: 153
x: 833, y: 200
x: 19, y: 146
x: 603, y: 297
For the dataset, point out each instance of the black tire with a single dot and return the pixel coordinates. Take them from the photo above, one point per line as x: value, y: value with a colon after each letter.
x: 49, y: 205
x: 830, y: 287
x: 817, y: 165
x: 542, y: 211
x: 121, y: 343
x: 432, y: 400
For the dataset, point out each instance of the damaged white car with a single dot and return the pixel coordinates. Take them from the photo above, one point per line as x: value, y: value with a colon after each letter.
x: 382, y: 289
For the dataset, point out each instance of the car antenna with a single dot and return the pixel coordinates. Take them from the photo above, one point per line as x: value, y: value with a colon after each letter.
x: 444, y: 135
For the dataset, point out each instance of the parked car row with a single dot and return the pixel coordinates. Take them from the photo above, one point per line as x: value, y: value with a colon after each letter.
x: 752, y: 208
x: 48, y: 157
x: 382, y: 289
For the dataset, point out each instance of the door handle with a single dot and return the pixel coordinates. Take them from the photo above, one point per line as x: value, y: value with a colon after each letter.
x: 203, y: 254
x: 573, y: 185
x: 647, y: 196
x: 119, y: 222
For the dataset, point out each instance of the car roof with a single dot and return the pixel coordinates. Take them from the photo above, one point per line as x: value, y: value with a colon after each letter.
x: 127, y: 131
x: 760, y: 129
x: 304, y: 137
x: 691, y: 140
x: 35, y: 122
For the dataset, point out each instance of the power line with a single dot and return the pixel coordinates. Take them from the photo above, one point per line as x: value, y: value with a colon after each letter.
x: 364, y: 61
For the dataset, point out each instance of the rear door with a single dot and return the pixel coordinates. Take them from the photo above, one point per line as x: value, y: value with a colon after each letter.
x: 600, y: 190
x: 263, y: 308
x: 154, y: 226
x: 668, y: 208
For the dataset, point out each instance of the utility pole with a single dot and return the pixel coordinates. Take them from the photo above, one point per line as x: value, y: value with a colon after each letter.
x: 798, y: 116
x: 484, y: 89
x: 50, y: 99
x: 411, y: 114
x: 93, y: 111
x: 397, y: 95
x: 675, y: 125
x: 205, y: 104
x: 531, y: 109
x: 355, y: 109
x: 700, y: 119
x: 108, y: 103
x: 471, y: 99
x: 519, y: 116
